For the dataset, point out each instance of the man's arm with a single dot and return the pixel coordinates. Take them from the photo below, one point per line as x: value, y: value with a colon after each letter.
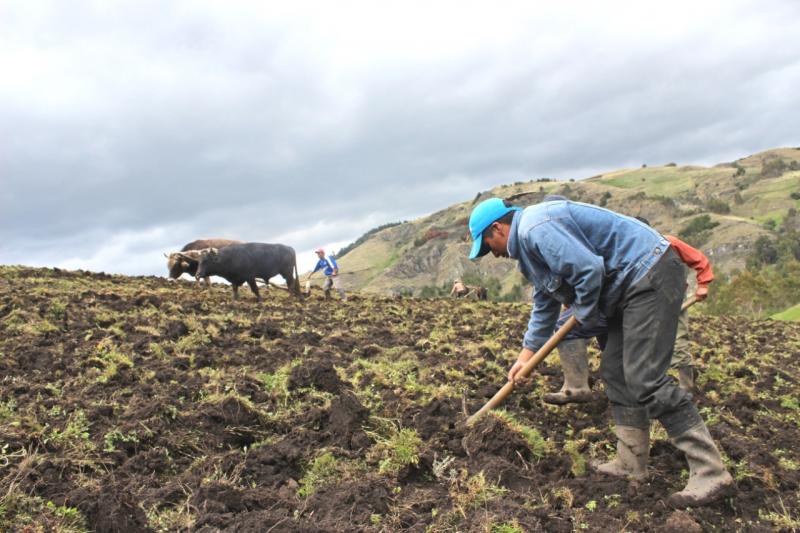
x: 540, y: 328
x: 697, y: 260
x: 541, y: 325
x: 316, y: 269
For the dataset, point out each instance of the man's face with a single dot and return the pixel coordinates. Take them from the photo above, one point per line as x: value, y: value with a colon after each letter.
x: 497, y: 240
x: 320, y: 255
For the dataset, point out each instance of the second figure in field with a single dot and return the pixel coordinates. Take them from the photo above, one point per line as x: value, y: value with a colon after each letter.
x: 331, y: 271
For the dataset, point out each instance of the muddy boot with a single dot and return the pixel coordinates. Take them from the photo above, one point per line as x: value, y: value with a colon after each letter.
x: 686, y: 378
x: 327, y: 294
x: 575, y: 364
x: 633, y: 449
x: 708, y: 478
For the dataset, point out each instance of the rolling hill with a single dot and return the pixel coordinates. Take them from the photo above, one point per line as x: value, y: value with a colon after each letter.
x: 743, y: 200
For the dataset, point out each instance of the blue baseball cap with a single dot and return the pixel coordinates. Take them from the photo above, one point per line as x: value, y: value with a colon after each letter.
x: 481, y: 218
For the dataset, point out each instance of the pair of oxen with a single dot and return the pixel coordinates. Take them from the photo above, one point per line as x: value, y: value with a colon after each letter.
x: 237, y: 262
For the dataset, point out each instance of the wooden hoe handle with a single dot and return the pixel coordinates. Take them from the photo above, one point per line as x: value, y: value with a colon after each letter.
x: 537, y: 358
x: 688, y: 303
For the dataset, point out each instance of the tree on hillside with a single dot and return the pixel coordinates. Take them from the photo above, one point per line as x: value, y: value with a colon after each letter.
x: 770, y: 284
x: 774, y: 168
x: 716, y: 205
x: 698, y: 230
x: 764, y: 253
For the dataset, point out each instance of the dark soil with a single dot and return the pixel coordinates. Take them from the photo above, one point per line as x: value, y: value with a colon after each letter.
x: 138, y: 404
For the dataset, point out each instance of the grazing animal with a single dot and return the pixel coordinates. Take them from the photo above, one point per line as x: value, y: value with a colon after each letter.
x: 186, y: 261
x: 240, y: 263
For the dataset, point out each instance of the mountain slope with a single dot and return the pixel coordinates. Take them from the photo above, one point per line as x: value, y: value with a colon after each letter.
x: 746, y: 199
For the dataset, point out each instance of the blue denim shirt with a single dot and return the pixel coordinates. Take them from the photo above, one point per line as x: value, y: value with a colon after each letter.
x: 581, y: 255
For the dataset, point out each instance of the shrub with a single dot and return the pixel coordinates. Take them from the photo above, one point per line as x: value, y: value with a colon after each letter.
x: 770, y: 284
x: 698, y: 230
x: 764, y: 252
x: 696, y: 225
x: 774, y: 168
x: 715, y: 205
x: 666, y: 201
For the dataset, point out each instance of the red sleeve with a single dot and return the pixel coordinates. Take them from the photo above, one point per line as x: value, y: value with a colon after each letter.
x: 694, y: 258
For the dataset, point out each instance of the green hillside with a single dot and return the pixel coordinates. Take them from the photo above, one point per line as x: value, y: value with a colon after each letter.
x: 793, y: 313
x: 752, y: 197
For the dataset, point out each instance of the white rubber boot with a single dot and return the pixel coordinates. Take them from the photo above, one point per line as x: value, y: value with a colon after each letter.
x: 633, y: 449
x: 575, y: 364
x: 708, y: 478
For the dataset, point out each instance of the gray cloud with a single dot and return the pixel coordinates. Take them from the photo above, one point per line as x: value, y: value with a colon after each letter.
x: 130, y: 130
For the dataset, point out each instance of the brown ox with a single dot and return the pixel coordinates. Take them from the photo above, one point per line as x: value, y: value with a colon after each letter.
x: 187, y: 260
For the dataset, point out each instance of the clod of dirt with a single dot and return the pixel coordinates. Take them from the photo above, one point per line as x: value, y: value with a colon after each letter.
x: 353, y: 502
x: 266, y: 331
x: 111, y: 510
x: 273, y: 464
x: 680, y: 522
x: 217, y: 497
x: 491, y: 436
x: 233, y: 421
x: 439, y: 416
x: 345, y: 419
x: 320, y: 375
x: 176, y: 329
x: 147, y: 299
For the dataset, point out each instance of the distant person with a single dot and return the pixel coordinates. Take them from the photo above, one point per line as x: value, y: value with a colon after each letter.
x: 331, y: 271
x: 459, y: 290
x: 476, y: 292
x: 682, y: 359
x: 603, y: 264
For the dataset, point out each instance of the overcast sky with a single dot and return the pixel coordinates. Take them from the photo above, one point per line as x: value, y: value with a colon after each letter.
x: 128, y: 129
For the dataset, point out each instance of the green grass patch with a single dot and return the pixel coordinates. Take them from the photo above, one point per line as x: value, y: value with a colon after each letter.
x: 395, y: 448
x: 538, y: 445
x: 792, y: 314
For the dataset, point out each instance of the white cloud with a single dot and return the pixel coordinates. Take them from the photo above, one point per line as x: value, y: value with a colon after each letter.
x: 310, y: 122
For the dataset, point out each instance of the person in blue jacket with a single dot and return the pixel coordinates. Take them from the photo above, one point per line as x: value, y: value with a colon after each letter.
x: 603, y: 264
x: 331, y: 271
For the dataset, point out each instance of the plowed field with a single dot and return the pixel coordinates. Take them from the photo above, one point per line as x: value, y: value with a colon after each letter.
x: 138, y: 404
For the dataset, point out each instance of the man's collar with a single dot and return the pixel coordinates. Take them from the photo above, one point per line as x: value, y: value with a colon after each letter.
x: 513, y: 243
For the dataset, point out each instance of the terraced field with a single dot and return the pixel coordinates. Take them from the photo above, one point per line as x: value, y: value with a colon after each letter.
x: 136, y: 404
